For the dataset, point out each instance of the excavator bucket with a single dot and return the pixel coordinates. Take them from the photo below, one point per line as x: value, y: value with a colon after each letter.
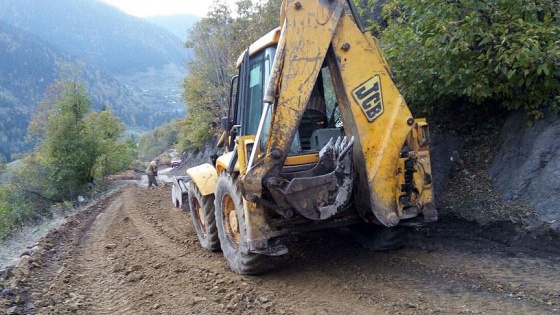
x: 323, y: 191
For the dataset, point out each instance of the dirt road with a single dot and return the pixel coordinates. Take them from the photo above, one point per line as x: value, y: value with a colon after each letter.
x: 134, y: 253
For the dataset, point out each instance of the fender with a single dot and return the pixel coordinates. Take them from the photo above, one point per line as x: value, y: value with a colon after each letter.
x: 204, y: 176
x: 223, y: 161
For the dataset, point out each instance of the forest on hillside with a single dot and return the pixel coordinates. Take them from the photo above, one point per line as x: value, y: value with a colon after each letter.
x: 97, y: 33
x: 129, y: 65
x: 76, y: 149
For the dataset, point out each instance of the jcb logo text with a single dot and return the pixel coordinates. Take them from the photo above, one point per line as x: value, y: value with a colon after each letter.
x: 370, y: 98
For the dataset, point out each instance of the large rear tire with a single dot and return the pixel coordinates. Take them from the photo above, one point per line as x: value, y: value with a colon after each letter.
x: 232, y: 230
x: 203, y: 215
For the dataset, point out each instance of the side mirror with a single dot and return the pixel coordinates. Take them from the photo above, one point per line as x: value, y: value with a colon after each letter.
x: 225, y: 123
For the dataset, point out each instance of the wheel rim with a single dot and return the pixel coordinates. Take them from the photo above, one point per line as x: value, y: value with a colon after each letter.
x: 200, y: 217
x: 231, y: 223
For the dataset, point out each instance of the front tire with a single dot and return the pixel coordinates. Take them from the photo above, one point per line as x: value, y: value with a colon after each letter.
x: 232, y: 230
x: 203, y: 215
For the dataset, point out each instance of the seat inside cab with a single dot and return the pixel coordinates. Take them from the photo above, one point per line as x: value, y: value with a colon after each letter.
x: 313, y: 130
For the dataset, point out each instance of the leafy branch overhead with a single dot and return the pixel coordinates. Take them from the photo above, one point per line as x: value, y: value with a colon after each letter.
x: 505, y: 53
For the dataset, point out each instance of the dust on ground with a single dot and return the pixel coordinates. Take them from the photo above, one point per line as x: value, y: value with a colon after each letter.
x: 135, y: 253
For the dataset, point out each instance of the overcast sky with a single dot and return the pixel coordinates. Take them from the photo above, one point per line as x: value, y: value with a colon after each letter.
x: 143, y: 8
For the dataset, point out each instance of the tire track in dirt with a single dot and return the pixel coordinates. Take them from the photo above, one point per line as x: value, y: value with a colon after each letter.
x: 399, y: 282
x: 87, y: 279
x: 43, y: 280
x: 102, y: 290
x: 155, y: 264
x: 134, y: 253
x: 519, y: 278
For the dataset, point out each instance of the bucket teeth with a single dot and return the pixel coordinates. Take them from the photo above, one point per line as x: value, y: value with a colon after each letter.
x: 341, y: 145
x: 324, y: 190
x: 337, y: 146
x: 329, y: 146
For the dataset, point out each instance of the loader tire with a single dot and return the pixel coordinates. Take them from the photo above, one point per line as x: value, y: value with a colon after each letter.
x: 175, y: 195
x: 232, y: 230
x: 380, y: 238
x: 203, y: 215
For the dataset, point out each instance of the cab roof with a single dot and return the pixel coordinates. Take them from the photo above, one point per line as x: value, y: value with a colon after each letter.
x: 267, y: 40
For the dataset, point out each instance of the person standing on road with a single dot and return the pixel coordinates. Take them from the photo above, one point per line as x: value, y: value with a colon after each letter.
x: 152, y: 172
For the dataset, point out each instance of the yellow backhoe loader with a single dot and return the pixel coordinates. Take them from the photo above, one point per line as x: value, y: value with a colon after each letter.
x: 317, y: 136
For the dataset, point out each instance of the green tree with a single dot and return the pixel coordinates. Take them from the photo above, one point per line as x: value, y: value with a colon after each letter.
x: 132, y: 144
x: 106, y: 131
x: 491, y: 53
x: 160, y: 139
x: 76, y: 146
x: 69, y: 151
x: 217, y: 41
x: 206, y: 88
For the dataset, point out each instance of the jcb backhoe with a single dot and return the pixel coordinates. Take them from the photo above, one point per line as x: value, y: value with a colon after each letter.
x: 317, y: 136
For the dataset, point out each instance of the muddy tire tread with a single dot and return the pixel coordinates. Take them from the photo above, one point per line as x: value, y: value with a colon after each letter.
x: 239, y: 260
x: 210, y: 241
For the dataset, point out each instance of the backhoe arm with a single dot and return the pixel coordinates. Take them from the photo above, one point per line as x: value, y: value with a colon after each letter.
x: 372, y: 109
x: 307, y: 31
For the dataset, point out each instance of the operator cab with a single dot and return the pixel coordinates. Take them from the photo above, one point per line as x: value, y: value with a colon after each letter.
x: 319, y: 122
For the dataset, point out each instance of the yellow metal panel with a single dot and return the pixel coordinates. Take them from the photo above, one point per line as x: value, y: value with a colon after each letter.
x: 267, y: 40
x: 374, y: 113
x: 258, y: 231
x: 204, y: 177
x: 223, y: 162
x: 257, y: 227
x: 243, y: 144
x: 427, y: 195
x: 308, y: 28
x: 302, y: 159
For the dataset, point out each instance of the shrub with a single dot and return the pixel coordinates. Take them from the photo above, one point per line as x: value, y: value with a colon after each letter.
x: 15, y: 210
x: 492, y: 53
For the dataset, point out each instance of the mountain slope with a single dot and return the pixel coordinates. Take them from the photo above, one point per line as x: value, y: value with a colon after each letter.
x: 28, y: 65
x: 128, y: 64
x: 176, y: 24
x: 97, y: 33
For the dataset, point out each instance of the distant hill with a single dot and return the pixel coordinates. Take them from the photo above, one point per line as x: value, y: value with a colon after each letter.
x: 97, y: 33
x: 29, y: 65
x: 131, y: 66
x: 176, y: 24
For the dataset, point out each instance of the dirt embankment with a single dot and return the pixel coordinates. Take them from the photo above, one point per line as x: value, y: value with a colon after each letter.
x: 134, y: 253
